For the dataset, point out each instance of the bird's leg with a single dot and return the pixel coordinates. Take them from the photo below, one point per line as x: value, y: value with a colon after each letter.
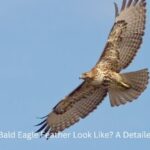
x: 125, y: 85
x: 120, y: 81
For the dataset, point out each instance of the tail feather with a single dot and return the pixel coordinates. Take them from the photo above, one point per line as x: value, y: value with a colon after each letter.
x: 137, y: 80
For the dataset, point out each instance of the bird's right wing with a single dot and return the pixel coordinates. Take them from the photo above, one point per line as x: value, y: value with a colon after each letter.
x: 76, y: 105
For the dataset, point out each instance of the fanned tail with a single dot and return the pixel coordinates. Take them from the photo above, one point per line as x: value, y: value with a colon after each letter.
x: 137, y: 82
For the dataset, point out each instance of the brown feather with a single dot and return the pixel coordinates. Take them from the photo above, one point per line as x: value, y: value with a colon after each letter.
x: 126, y: 38
x: 138, y: 81
x: 87, y: 99
x: 129, y: 3
x: 116, y: 10
x: 123, y: 5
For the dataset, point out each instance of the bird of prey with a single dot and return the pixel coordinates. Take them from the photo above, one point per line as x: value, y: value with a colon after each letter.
x: 121, y: 47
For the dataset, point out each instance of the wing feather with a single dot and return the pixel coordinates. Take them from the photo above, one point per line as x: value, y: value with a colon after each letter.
x: 127, y: 32
x: 116, y: 10
x: 135, y: 2
x: 123, y: 5
x: 135, y: 17
x: 129, y: 3
x: 79, y: 104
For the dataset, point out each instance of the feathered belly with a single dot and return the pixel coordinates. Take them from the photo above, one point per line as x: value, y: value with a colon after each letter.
x: 103, y: 77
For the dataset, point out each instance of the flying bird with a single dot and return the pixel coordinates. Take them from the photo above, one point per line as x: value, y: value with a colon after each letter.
x: 105, y: 78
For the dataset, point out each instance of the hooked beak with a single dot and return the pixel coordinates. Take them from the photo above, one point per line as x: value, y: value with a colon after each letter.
x: 82, y: 77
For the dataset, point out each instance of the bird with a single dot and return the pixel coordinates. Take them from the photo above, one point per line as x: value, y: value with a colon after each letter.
x: 106, y: 78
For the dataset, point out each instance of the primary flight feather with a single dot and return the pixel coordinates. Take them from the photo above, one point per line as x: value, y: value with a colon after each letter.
x: 122, y: 45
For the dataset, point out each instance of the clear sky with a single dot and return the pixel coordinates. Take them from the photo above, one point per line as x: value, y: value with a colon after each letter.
x: 44, y: 47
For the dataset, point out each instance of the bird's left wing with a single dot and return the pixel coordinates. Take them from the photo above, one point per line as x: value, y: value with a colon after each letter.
x: 83, y: 100
x: 126, y: 35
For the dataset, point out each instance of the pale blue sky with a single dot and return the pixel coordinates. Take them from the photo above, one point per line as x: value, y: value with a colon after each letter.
x: 44, y: 47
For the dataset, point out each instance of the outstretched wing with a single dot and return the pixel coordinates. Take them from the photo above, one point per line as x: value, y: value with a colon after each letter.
x: 127, y: 32
x: 68, y: 111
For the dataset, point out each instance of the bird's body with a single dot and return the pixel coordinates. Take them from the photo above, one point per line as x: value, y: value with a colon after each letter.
x: 106, y: 71
x: 105, y: 77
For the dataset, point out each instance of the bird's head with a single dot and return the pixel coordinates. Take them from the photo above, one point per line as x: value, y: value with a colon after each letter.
x: 90, y: 75
x: 86, y: 75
